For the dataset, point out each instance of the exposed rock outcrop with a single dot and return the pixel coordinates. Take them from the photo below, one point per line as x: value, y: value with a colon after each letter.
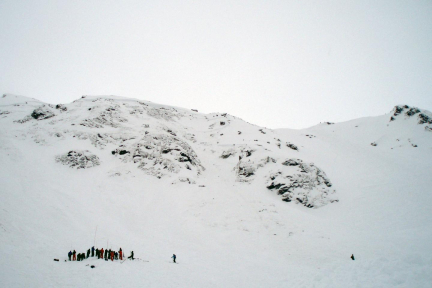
x: 79, y: 159
x: 302, y: 183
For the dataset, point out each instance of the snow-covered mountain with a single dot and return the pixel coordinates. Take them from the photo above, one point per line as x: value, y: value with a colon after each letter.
x: 240, y: 205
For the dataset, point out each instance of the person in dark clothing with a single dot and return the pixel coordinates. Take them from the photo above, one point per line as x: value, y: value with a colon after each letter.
x: 92, y: 249
x: 88, y: 253
x: 97, y: 253
x: 106, y: 254
x: 79, y: 257
x: 115, y: 255
x: 131, y: 256
x: 352, y: 257
x: 69, y: 255
x: 74, y: 255
x: 174, y: 258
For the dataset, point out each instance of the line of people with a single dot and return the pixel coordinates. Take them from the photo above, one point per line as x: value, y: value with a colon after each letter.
x: 100, y: 254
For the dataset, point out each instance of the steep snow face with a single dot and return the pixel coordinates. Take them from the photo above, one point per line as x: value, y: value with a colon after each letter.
x: 235, y: 202
x: 161, y: 140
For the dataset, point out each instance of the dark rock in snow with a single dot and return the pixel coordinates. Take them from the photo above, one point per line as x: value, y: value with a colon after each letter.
x: 79, y: 159
x: 412, y: 111
x: 61, y: 107
x: 292, y: 146
x: 424, y: 119
x: 42, y: 113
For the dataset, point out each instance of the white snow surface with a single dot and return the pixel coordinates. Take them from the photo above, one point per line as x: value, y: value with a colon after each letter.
x: 211, y: 208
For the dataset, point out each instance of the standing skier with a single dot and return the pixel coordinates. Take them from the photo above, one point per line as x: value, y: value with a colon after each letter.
x: 88, y: 253
x: 92, y: 249
x: 101, y: 253
x: 74, y: 255
x: 69, y: 255
x: 174, y: 258
x: 112, y: 255
x: 121, y: 254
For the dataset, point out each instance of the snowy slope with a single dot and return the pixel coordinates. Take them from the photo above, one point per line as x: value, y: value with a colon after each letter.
x: 118, y: 172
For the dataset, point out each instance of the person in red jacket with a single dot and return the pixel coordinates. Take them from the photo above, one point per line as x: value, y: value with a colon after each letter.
x: 74, y: 255
x: 101, y: 253
x: 112, y: 255
x: 121, y: 254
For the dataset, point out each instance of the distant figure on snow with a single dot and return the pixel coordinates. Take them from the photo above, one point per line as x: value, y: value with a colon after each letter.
x: 121, y: 254
x: 93, y: 251
x: 69, y: 255
x: 131, y: 256
x: 174, y: 258
x: 88, y: 253
x: 352, y: 257
x: 74, y: 255
x: 101, y: 253
x: 112, y: 255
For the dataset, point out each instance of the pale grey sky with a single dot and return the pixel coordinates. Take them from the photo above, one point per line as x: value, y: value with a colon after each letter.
x: 279, y: 64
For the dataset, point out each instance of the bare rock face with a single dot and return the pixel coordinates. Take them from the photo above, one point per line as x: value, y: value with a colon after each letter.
x: 79, y: 159
x: 160, y: 154
x: 302, y: 183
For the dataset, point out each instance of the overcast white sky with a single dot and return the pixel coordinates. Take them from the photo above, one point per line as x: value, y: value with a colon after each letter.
x: 279, y: 64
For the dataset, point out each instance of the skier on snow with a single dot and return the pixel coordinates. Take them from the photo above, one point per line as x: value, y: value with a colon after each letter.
x: 174, y: 258
x: 74, y: 255
x: 92, y: 249
x: 69, y: 255
x: 131, y: 256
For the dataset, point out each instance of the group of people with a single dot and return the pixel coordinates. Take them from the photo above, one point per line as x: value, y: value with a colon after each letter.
x: 103, y: 254
x: 100, y: 254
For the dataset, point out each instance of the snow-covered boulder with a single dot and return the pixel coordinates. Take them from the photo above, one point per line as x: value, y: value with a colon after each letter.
x: 157, y: 154
x: 79, y: 159
x: 302, y: 183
